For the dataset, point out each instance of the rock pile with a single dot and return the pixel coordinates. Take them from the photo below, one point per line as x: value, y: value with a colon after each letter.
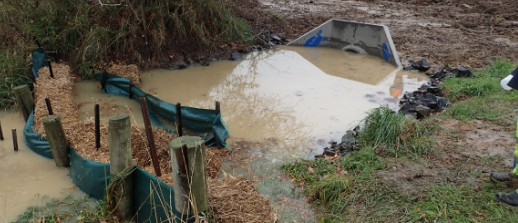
x: 348, y: 145
x: 427, y: 99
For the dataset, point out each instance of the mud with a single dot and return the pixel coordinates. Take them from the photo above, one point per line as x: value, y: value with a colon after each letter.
x: 466, y: 153
x: 462, y: 33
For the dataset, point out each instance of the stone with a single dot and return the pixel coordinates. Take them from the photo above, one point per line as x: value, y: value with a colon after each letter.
x: 423, y: 111
x: 236, y: 56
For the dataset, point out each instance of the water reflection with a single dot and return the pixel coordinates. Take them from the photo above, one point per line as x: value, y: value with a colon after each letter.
x: 285, y: 104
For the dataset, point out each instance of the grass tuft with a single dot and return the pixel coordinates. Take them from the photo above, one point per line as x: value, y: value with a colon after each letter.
x: 395, y: 131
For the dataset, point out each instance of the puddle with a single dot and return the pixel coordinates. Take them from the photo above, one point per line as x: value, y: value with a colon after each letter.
x: 279, y: 105
x: 290, y: 95
x: 86, y: 94
x: 26, y: 177
x: 287, y: 103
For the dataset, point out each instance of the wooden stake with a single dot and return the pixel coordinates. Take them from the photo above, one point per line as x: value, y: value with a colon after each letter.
x: 1, y: 133
x: 179, y: 118
x: 218, y: 111
x: 130, y: 90
x: 58, y: 142
x: 50, y: 69
x: 119, y: 134
x: 97, y: 127
x: 189, y: 200
x: 24, y: 98
x: 49, y: 106
x: 15, y: 140
x: 150, y: 138
x: 37, y: 42
x: 104, y: 78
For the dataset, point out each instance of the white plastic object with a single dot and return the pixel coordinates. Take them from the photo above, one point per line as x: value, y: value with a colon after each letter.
x: 505, y: 81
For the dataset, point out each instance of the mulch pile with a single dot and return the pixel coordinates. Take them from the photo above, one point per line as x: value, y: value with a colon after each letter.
x: 131, y: 72
x: 232, y: 199
x: 232, y: 195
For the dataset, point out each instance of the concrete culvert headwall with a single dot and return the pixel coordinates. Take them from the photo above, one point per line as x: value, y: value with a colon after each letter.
x: 361, y: 38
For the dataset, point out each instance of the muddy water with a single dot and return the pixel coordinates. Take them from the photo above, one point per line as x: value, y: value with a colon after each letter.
x: 289, y: 95
x: 25, y: 177
x: 287, y: 103
x: 87, y: 95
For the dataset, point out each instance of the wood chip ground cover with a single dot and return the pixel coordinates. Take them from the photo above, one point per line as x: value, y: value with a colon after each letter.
x: 232, y: 199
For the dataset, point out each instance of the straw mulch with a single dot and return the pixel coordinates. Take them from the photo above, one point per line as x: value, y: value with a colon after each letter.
x: 131, y: 72
x: 236, y: 199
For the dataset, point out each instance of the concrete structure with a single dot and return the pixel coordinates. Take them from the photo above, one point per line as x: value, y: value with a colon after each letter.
x: 358, y: 37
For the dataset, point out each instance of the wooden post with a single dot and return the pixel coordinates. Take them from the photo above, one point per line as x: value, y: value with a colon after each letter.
x: 150, y: 138
x: 50, y: 69
x: 37, y: 42
x: 188, y: 154
x: 179, y: 119
x: 97, y: 127
x: 57, y: 140
x: 104, y: 79
x: 49, y: 106
x: 130, y: 90
x: 1, y: 133
x: 218, y: 110
x: 24, y: 98
x: 119, y: 134
x: 15, y: 140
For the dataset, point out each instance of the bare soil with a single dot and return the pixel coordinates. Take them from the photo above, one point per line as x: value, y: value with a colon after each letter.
x: 466, y: 152
x: 461, y: 33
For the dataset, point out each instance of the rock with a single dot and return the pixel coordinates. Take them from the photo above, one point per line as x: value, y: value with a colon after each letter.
x: 349, y: 135
x: 329, y: 152
x: 423, y: 111
x: 442, y: 103
x: 461, y: 72
x: 408, y: 109
x: 428, y: 100
x: 410, y: 67
x: 236, y: 56
x: 434, y: 90
x: 179, y: 66
x: 206, y: 62
x: 423, y: 65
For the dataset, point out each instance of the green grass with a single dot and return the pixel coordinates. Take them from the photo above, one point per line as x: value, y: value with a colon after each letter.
x: 482, y: 97
x: 458, y: 203
x: 352, y: 189
x: 397, y: 132
x: 485, y: 82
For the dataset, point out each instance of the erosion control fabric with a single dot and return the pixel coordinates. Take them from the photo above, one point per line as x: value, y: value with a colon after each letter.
x: 205, y: 122
x: 39, y: 60
x: 153, y: 199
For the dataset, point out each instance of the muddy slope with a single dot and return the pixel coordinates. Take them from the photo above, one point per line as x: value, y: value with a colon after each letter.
x: 469, y: 33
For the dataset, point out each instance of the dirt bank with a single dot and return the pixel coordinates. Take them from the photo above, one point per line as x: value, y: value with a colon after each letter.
x: 460, y: 33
